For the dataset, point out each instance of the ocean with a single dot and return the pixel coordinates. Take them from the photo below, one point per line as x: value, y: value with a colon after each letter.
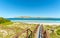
x: 36, y: 20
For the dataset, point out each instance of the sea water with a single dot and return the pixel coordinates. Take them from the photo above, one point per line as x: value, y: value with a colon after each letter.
x: 37, y: 21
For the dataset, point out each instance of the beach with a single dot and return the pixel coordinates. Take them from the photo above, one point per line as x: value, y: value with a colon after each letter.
x: 43, y: 23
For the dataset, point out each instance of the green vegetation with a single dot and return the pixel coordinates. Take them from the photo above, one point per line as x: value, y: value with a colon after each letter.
x: 16, y: 28
x: 4, y: 21
x: 54, y: 30
x: 58, y: 32
x: 53, y: 35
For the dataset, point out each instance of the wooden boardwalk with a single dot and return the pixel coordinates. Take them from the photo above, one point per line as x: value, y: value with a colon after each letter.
x: 43, y: 33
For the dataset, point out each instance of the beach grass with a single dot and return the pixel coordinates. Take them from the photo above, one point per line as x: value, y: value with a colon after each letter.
x: 54, y: 30
x: 13, y: 29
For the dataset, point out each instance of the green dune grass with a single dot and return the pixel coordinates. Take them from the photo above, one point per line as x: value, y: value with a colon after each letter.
x: 53, y: 30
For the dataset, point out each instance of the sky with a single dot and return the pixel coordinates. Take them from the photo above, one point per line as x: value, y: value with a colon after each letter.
x: 40, y: 8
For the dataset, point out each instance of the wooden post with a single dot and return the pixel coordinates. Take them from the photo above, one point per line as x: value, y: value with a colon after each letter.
x: 46, y: 34
x: 27, y: 34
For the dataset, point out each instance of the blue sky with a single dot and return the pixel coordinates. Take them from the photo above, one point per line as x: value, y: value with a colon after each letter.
x: 42, y: 8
